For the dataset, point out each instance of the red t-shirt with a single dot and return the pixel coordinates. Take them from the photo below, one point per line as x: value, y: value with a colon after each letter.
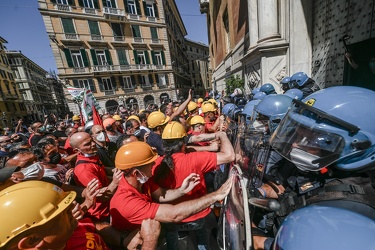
x: 84, y: 237
x: 185, y: 164
x: 129, y: 207
x: 83, y: 174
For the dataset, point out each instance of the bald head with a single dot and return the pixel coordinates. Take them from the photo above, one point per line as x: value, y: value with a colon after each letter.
x: 70, y: 131
x: 81, y: 129
x: 77, y: 138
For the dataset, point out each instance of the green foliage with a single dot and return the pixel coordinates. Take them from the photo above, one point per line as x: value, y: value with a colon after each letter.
x: 232, y: 83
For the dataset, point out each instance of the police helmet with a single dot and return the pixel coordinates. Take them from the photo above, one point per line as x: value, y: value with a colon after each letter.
x: 267, y: 88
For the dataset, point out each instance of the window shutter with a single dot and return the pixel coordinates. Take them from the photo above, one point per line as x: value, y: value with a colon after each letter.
x: 113, y: 82
x: 93, y: 55
x: 122, y: 57
x: 126, y: 6
x: 147, y: 13
x: 80, y: 3
x: 75, y: 84
x: 108, y: 56
x: 71, y: 2
x: 84, y: 57
x: 136, y: 57
x: 92, y: 86
x: 113, y: 3
x: 104, y: 3
x: 138, y: 7
x: 156, y: 10
x: 94, y: 27
x: 101, y: 85
x: 154, y: 33
x: 136, y: 31
x: 157, y: 79
x: 140, y: 80
x: 121, y: 81
x: 163, y: 57
x: 68, y: 58
x: 150, y: 79
x: 53, y: 1
x: 68, y: 25
x: 153, y: 57
x: 147, y: 57
x: 133, y: 80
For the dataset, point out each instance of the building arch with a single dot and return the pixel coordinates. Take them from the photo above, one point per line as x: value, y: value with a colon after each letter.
x: 111, y: 106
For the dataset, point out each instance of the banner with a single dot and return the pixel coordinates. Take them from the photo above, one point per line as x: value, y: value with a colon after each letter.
x: 87, y: 104
x: 75, y: 92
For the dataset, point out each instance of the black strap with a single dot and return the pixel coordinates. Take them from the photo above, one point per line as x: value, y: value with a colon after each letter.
x: 353, y: 189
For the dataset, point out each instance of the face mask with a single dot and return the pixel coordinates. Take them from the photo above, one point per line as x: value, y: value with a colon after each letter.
x: 41, y: 129
x: 33, y: 172
x: 142, y: 179
x: 303, y: 160
x: 89, y: 155
x: 55, y: 158
x: 100, y: 137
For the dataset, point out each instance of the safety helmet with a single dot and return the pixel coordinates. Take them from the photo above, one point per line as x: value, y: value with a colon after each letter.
x: 333, y: 125
x: 294, y: 94
x: 267, y: 88
x: 173, y: 130
x: 157, y: 118
x: 133, y: 117
x: 298, y: 80
x: 88, y: 126
x: 325, y: 227
x: 108, y: 122
x: 134, y: 154
x: 117, y: 117
x: 259, y: 96
x: 192, y: 106
x: 28, y: 205
x: 249, y: 109
x: 285, y: 83
x: 254, y: 91
x: 241, y: 102
x: 197, y: 119
x: 76, y: 118
x: 200, y: 100
x: 213, y: 101
x: 208, y: 107
x: 230, y: 110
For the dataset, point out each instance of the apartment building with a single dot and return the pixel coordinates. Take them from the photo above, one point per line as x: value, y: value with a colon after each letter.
x: 199, y: 66
x: 117, y: 49
x: 11, y: 105
x: 35, y: 94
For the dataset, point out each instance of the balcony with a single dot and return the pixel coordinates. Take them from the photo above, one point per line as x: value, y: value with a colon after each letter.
x: 146, y: 86
x: 63, y: 7
x: 137, y: 39
x: 133, y: 16
x: 114, y: 14
x: 89, y: 11
x: 128, y: 90
x: 110, y: 92
x: 159, y: 66
x: 96, y: 38
x: 71, y: 37
x: 112, y: 68
x: 162, y: 86
x: 119, y: 39
x: 151, y: 19
x: 155, y: 40
x: 81, y: 70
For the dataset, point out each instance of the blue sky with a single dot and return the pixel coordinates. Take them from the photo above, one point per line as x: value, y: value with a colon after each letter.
x: 22, y: 26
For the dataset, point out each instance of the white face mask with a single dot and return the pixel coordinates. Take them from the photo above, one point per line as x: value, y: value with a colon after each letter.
x: 303, y: 160
x: 33, y: 172
x: 142, y: 179
x: 100, y: 137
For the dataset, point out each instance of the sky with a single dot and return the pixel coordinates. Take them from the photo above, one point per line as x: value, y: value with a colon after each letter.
x: 22, y: 26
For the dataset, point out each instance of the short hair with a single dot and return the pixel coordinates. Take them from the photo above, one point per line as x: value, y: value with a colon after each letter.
x: 120, y: 139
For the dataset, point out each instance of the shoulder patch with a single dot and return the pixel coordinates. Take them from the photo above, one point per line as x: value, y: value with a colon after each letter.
x: 310, y: 102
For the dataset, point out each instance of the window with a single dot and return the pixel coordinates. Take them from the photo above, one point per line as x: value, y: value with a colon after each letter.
x: 157, y: 57
x: 145, y: 80
x: 127, y: 82
x: 132, y: 7
x: 154, y: 34
x: 101, y: 58
x: 226, y: 28
x: 161, y: 79
x: 150, y: 9
x: 110, y: 3
x: 117, y: 31
x: 85, y: 83
x: 62, y: 2
x: 77, y: 59
x: 107, y: 84
x: 68, y: 25
x: 94, y: 28
x: 141, y: 57
x: 88, y: 4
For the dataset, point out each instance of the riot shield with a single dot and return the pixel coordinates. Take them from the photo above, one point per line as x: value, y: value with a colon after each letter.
x: 235, y: 215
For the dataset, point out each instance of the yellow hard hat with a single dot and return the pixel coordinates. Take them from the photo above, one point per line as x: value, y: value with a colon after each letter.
x: 134, y: 154
x: 213, y: 101
x: 208, y: 107
x: 191, y: 106
x: 157, y: 118
x: 76, y: 118
x: 133, y: 117
x: 200, y: 100
x: 173, y: 130
x: 30, y: 204
x: 117, y: 117
x: 197, y: 119
x: 141, y: 111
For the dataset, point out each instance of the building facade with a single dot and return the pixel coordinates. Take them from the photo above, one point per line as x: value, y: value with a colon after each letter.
x: 118, y: 49
x: 199, y: 67
x: 11, y: 106
x: 265, y: 40
x: 34, y: 89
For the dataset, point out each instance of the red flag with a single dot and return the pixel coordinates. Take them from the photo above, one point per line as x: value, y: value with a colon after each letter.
x: 96, y: 117
x: 81, y: 117
x: 206, y: 94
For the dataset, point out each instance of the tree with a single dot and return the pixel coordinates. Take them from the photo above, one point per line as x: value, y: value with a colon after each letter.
x: 232, y: 83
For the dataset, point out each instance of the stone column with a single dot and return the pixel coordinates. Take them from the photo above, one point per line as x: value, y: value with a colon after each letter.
x: 267, y: 20
x: 253, y: 22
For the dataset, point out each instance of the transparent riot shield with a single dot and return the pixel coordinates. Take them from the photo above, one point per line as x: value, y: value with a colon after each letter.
x: 235, y: 216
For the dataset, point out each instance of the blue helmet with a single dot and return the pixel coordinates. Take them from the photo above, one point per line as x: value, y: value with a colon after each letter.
x: 324, y: 227
x: 254, y: 91
x: 259, y: 96
x: 249, y: 108
x: 333, y: 125
x: 285, y: 83
x: 298, y: 80
x: 230, y: 110
x: 241, y: 102
x: 294, y: 94
x: 267, y: 88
